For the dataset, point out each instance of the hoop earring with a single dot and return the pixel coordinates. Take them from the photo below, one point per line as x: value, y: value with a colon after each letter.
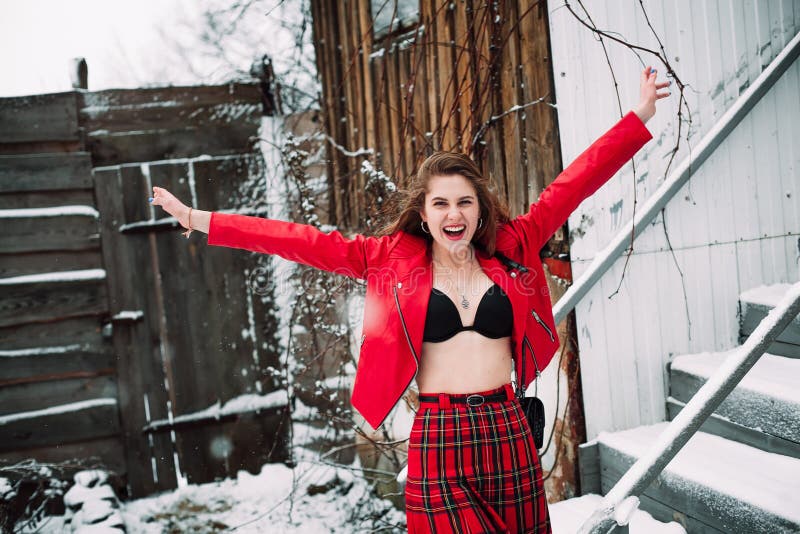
x: 421, y: 224
x: 480, y: 222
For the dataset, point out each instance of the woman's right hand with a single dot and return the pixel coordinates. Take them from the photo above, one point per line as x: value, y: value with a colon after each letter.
x: 170, y: 204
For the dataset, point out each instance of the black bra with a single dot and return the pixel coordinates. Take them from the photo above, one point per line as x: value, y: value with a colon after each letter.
x: 493, y: 318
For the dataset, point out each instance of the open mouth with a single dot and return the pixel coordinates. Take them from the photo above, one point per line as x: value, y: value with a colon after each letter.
x: 455, y: 232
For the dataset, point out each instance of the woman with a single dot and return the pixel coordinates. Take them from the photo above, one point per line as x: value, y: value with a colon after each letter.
x: 472, y: 462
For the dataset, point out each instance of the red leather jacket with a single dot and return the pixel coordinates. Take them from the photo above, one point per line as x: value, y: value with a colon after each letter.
x: 397, y: 269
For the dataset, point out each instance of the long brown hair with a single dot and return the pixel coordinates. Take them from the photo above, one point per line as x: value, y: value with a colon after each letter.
x: 493, y: 209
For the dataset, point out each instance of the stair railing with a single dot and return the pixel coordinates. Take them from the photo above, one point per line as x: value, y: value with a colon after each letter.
x: 696, y: 411
x: 708, y: 398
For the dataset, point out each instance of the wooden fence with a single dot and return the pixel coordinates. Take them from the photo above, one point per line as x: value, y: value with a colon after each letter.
x: 120, y: 340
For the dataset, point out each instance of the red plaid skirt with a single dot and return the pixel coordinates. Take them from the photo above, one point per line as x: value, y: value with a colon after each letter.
x: 474, y: 469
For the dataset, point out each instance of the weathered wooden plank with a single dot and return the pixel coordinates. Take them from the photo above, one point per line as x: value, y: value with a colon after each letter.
x: 464, y: 43
x: 224, y: 352
x: 383, y: 149
x: 724, y: 427
x: 58, y: 260
x: 445, y: 67
x: 666, y: 513
x: 511, y: 123
x: 488, y: 149
x: 47, y: 363
x: 673, y: 494
x: 96, y: 103
x: 788, y: 342
x: 45, y: 172
x: 744, y: 406
x: 428, y: 10
x: 167, y: 116
x: 59, y: 424
x: 418, y: 81
x: 328, y: 64
x: 49, y: 117
x: 41, y: 147
x: 394, y: 118
x: 141, y: 393
x: 540, y: 146
x: 154, y: 145
x: 48, y: 301
x: 589, y: 466
x: 47, y: 199
x: 103, y: 453
x: 406, y: 127
x: 361, y: 51
x: 60, y: 232
x: 54, y: 390
x: 366, y: 32
x: 79, y: 331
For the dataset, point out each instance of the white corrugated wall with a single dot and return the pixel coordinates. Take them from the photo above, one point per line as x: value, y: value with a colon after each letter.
x: 734, y: 226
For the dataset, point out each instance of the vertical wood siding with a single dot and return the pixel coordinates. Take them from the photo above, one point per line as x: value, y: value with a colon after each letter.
x: 734, y: 226
x: 443, y: 84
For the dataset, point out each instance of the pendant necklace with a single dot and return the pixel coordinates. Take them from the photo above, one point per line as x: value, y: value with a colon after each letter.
x: 464, y: 301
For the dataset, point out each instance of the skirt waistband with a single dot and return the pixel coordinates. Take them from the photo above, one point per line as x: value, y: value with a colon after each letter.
x: 446, y: 400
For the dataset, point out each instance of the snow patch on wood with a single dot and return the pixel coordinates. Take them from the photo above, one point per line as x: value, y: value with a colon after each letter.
x: 237, y: 406
x: 56, y: 211
x: 61, y: 276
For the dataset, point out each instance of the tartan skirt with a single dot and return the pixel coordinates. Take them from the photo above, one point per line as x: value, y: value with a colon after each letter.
x: 474, y: 469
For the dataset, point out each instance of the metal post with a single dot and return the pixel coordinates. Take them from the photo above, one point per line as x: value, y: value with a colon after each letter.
x: 79, y: 73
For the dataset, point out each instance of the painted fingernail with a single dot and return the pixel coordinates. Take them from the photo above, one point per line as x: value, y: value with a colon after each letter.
x: 150, y: 199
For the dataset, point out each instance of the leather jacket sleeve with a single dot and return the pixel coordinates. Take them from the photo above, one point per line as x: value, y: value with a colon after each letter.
x: 594, y: 167
x: 296, y: 242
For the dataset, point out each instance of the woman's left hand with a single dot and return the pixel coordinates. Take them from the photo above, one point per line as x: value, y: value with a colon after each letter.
x: 648, y: 91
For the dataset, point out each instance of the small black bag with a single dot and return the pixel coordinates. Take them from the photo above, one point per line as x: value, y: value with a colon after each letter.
x: 533, y: 408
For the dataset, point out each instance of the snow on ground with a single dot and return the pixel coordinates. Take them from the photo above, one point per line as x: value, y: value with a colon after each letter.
x: 315, y: 496
x: 262, y: 503
x: 276, y: 500
x: 566, y: 517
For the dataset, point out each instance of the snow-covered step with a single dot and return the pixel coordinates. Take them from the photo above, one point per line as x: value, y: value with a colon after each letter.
x: 754, y: 305
x: 712, y: 485
x: 763, y: 410
x: 567, y: 516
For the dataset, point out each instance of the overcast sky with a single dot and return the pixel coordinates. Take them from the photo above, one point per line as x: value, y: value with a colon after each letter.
x: 127, y: 43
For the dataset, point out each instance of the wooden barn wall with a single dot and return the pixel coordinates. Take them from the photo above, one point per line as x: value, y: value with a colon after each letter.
x: 467, y: 75
x: 733, y: 227
x: 450, y: 82
x: 115, y: 331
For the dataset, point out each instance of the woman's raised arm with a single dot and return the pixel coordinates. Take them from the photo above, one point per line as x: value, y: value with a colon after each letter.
x: 591, y: 169
x: 296, y: 242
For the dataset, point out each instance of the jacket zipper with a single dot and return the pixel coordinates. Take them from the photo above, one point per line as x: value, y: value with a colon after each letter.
x: 405, y: 330
x: 533, y: 357
x: 410, y: 345
x: 543, y: 325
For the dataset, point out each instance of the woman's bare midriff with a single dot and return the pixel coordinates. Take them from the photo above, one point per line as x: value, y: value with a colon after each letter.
x: 465, y: 363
